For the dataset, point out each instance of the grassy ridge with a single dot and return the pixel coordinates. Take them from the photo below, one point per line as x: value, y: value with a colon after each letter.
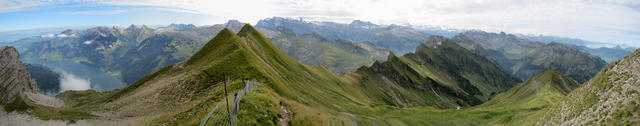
x: 182, y: 93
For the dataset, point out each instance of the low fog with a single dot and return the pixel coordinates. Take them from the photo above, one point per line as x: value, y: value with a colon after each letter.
x: 71, y: 82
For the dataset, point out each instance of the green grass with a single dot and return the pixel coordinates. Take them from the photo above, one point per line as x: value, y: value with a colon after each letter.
x: 314, y: 95
x: 257, y: 108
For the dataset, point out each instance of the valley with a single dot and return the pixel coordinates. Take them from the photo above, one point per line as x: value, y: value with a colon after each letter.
x: 286, y: 71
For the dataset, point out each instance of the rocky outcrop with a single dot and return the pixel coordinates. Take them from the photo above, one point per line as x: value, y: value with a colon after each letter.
x: 15, y: 79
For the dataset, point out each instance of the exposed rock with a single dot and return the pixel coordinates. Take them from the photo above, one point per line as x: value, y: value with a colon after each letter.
x: 15, y: 79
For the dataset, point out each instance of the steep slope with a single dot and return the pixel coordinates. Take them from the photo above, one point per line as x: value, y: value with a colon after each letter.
x: 132, y: 52
x: 339, y: 56
x: 18, y: 91
x: 15, y: 80
x: 440, y: 73
x: 183, y: 93
x: 610, y: 98
x: 528, y: 101
x: 524, y: 58
x: 520, y: 105
x: 120, y: 51
x: 48, y: 81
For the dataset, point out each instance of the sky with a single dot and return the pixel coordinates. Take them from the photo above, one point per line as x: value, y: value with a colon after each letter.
x: 609, y: 21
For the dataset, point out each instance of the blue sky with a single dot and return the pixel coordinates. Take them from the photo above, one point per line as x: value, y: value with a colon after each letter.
x: 66, y: 15
x: 610, y: 21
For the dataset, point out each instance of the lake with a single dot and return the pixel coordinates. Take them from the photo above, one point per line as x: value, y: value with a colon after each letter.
x: 76, y: 72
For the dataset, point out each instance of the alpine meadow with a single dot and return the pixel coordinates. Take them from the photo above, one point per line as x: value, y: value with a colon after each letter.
x: 318, y: 62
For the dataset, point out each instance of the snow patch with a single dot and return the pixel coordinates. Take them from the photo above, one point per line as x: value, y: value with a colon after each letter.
x: 47, y: 36
x: 62, y: 35
x: 595, y: 46
x: 87, y: 42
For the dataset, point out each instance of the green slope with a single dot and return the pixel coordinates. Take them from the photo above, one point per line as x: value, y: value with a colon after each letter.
x: 520, y: 105
x: 183, y: 93
x: 609, y: 98
x: 440, y: 73
x: 526, y: 102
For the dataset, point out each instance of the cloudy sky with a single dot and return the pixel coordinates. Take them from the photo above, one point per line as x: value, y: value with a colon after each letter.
x: 611, y: 21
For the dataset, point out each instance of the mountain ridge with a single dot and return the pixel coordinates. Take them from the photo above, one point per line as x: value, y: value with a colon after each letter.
x: 609, y: 98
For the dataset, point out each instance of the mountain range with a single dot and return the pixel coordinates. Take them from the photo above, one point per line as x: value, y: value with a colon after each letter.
x: 121, y: 51
x: 609, y: 98
x: 340, y: 48
x: 523, y: 58
x: 184, y: 91
x: 445, y: 81
x: 321, y: 73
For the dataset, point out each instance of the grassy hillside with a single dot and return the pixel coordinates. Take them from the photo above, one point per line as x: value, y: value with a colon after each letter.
x: 520, y: 105
x: 610, y: 98
x: 184, y: 92
x: 440, y: 73
x: 406, y: 90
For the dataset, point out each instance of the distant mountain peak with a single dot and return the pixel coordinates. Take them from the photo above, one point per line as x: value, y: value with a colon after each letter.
x: 232, y: 23
x: 182, y: 26
x: 434, y: 41
x: 362, y: 24
x: 70, y: 32
x: 132, y: 27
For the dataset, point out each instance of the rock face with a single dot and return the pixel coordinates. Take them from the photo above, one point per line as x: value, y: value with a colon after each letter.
x: 610, y: 98
x: 15, y: 79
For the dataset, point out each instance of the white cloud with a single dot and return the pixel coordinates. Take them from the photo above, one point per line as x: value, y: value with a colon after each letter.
x: 96, y: 12
x: 71, y: 82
